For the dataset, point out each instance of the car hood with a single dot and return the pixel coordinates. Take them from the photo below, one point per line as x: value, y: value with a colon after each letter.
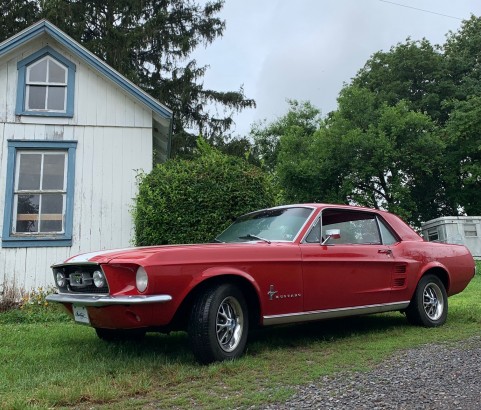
x: 142, y: 254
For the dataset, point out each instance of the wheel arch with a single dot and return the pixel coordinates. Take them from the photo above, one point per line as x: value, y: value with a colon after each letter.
x: 181, y: 317
x: 439, y: 271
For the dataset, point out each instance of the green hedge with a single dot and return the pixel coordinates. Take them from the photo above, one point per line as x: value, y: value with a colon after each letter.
x: 192, y: 201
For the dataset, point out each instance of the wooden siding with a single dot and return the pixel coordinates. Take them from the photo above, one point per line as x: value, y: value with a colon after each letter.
x: 114, y: 134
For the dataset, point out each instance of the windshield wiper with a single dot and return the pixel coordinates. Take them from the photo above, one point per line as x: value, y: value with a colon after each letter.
x: 249, y: 236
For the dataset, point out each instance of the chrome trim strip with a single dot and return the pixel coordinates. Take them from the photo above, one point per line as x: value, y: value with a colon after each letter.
x: 332, y: 313
x: 102, y: 300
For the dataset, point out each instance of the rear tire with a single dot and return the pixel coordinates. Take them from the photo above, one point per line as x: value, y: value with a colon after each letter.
x: 118, y: 335
x: 218, y: 324
x: 429, y: 305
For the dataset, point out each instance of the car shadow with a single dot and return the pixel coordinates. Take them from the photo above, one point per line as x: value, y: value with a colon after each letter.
x: 174, y: 347
x: 332, y: 330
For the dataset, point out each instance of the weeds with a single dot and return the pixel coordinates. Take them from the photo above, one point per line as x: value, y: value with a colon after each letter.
x: 30, y: 307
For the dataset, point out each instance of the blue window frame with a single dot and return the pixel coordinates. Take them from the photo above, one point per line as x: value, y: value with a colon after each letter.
x: 46, y: 84
x: 39, y: 193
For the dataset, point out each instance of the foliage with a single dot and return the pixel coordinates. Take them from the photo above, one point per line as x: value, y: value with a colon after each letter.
x: 415, y: 72
x: 463, y: 155
x: 148, y: 41
x: 302, y: 119
x: 379, y: 156
x: 190, y: 201
x: 33, y: 307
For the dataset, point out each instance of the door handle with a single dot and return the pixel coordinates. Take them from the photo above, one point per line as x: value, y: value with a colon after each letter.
x: 385, y: 251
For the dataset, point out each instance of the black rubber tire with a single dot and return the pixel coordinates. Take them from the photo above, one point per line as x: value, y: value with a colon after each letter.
x: 212, y: 338
x: 118, y: 335
x: 429, y: 305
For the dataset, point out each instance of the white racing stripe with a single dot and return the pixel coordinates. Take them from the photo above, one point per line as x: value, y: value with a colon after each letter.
x: 85, y: 257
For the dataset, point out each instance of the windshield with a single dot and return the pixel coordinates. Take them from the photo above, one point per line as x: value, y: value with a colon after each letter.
x: 280, y: 224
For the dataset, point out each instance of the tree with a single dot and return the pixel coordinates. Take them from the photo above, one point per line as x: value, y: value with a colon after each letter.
x: 191, y: 201
x: 463, y: 155
x: 387, y: 157
x: 302, y: 118
x: 16, y: 16
x: 148, y: 41
x: 414, y: 71
x: 462, y: 52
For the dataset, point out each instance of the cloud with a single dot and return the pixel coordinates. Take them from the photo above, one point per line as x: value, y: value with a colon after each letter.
x: 307, y: 49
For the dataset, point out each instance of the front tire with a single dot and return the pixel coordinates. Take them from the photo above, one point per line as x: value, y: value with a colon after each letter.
x: 219, y: 324
x: 429, y: 306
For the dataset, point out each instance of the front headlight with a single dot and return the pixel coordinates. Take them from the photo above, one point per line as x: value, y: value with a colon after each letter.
x: 141, y: 279
x: 99, y: 279
x: 60, y: 279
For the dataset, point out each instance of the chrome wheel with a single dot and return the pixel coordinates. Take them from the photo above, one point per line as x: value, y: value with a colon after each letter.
x: 229, y: 324
x: 219, y: 324
x: 433, y: 301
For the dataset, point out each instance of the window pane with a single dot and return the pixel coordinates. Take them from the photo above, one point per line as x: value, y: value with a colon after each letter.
x: 356, y: 228
x: 387, y: 237
x: 27, y: 213
x: 52, y: 204
x: 56, y: 72
x: 56, y: 98
x: 36, y: 97
x: 52, y: 213
x: 38, y: 71
x: 470, y: 230
x: 29, y: 173
x: 53, y: 171
x: 433, y: 234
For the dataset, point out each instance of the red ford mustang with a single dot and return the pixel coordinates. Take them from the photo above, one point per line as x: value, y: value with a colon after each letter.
x: 286, y: 264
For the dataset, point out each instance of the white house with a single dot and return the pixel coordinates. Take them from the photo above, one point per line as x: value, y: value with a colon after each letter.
x: 463, y: 230
x: 74, y: 133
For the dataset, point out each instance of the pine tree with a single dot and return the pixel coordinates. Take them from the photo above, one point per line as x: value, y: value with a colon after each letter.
x: 149, y: 42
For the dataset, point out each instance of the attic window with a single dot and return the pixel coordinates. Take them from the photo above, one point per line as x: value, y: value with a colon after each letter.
x: 46, y: 86
x: 46, y: 83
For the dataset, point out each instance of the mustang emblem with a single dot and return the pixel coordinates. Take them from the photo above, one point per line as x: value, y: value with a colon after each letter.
x: 271, y: 292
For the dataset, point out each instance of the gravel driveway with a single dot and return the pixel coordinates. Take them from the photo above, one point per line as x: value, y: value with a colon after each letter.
x: 446, y: 376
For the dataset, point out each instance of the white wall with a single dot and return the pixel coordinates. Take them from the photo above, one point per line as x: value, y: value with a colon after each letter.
x: 114, y: 135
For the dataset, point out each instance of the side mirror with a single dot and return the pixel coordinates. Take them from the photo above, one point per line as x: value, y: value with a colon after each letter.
x: 331, y: 234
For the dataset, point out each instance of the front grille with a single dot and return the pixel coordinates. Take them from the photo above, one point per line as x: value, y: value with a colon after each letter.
x: 79, y: 279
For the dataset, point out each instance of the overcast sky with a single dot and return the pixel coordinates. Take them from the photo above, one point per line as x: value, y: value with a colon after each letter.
x: 307, y: 49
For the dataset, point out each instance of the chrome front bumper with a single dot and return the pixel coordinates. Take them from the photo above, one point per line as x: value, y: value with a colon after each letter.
x: 102, y: 300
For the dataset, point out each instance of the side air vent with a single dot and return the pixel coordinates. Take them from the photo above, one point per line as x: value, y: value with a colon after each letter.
x: 400, y: 269
x: 399, y: 282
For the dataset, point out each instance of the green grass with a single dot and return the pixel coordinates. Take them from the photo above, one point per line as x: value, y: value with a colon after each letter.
x: 47, y: 363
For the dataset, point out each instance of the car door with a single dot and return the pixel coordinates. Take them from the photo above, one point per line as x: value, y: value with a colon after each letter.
x: 354, y: 270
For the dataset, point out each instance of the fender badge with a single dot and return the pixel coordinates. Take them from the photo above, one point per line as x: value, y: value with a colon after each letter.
x: 271, y: 292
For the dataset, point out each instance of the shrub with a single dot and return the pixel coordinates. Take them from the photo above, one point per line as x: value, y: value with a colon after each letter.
x: 191, y: 201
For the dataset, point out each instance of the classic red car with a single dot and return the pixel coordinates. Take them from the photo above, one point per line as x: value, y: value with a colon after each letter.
x: 280, y: 265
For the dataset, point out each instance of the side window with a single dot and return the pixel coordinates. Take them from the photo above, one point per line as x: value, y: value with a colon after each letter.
x: 387, y: 236
x: 355, y: 227
x: 39, y: 194
x: 46, y: 85
x: 314, y: 235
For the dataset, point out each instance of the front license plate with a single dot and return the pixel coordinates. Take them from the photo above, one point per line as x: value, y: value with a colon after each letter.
x: 80, y: 314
